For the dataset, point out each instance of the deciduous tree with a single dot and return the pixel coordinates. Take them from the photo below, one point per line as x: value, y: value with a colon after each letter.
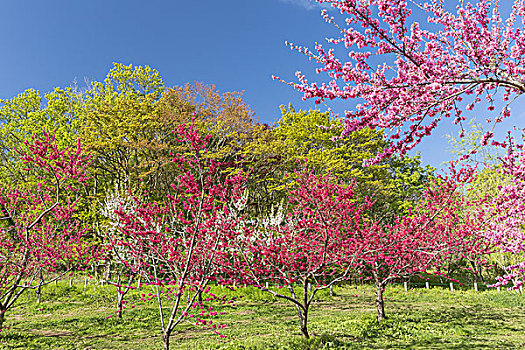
x: 508, y: 215
x: 40, y: 235
x: 317, y: 244
x: 443, y: 227
x: 176, y: 245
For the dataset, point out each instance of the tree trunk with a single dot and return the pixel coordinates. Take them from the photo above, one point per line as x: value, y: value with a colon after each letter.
x: 38, y: 293
x: 304, y: 318
x: 107, y: 270
x: 304, y: 328
x: 199, y: 297
x: 166, y: 341
x: 302, y: 313
x: 2, y: 318
x: 120, y: 297
x: 38, y: 290
x: 380, y: 302
x: 303, y: 321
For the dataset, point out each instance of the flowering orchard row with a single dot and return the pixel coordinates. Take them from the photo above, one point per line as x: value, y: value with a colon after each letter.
x: 199, y: 233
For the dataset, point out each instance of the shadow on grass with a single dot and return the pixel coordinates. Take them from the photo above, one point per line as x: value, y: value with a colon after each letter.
x: 451, y: 328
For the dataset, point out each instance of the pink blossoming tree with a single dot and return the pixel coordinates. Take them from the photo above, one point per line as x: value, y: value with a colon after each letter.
x: 442, y: 228
x: 508, y: 216
x: 177, y: 246
x: 318, y: 243
x: 40, y: 238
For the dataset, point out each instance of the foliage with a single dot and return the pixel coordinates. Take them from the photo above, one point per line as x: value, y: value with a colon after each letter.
x: 117, y: 126
x: 27, y: 114
x: 311, y: 140
x: 224, y: 116
x: 129, y: 119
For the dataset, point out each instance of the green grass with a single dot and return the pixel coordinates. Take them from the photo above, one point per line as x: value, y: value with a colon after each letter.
x: 76, y: 318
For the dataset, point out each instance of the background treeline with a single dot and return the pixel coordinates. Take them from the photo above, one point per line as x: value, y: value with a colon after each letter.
x: 125, y: 123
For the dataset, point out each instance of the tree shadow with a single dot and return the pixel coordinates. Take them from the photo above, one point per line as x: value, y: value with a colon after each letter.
x: 455, y: 327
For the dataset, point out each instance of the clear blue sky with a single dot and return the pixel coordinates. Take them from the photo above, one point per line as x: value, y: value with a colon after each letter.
x: 234, y: 44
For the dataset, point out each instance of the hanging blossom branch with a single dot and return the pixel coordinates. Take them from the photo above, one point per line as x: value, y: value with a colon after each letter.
x: 472, y: 54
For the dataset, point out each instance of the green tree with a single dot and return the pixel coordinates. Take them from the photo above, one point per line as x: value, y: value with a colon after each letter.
x: 312, y: 140
x: 118, y: 127
x: 29, y: 113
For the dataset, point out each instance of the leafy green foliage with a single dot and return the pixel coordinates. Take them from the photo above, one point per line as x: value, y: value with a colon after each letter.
x: 28, y: 113
x: 312, y: 140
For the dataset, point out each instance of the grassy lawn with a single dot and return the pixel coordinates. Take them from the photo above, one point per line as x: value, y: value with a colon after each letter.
x: 76, y: 318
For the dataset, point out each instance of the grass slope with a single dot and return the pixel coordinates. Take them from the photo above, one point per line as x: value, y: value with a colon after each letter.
x: 76, y: 318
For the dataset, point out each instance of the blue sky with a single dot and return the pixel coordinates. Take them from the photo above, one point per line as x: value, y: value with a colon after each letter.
x: 235, y: 44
